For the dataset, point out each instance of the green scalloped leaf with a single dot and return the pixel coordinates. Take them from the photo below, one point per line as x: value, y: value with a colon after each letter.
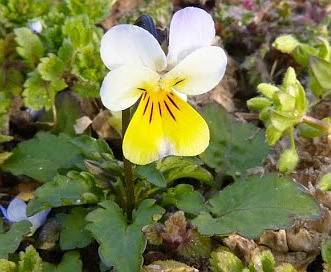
x: 95, y: 10
x: 175, y: 167
x: 74, y: 189
x: 12, y: 81
x: 30, y: 47
x: 185, y: 198
x: 51, y: 69
x: 73, y: 235
x: 11, y: 240
x: 252, y: 206
x: 68, y: 111
x: 90, y: 147
x: 234, y: 147
x: 66, y: 52
x: 30, y: 260
x: 121, y: 243
x: 5, y: 104
x: 37, y: 92
x: 87, y: 88
x: 70, y: 263
x: 41, y: 156
x: 225, y: 261
x: 152, y: 174
x: 15, y: 13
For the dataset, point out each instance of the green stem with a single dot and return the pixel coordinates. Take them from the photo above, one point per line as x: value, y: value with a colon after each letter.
x: 54, y: 111
x: 318, y: 124
x: 292, y: 138
x: 128, y: 176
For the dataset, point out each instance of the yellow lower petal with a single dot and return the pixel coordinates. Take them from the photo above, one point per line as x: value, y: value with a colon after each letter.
x: 163, y: 125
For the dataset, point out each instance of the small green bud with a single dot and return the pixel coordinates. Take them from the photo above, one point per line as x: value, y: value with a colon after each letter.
x: 264, y: 114
x: 265, y: 260
x: 286, y: 43
x: 267, y: 90
x: 272, y: 135
x: 288, y: 161
x: 225, y: 261
x: 308, y: 131
x: 325, y: 183
x: 290, y: 77
x: 258, y: 103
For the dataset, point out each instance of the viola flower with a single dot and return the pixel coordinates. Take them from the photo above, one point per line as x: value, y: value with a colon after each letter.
x: 16, y: 212
x: 164, y: 123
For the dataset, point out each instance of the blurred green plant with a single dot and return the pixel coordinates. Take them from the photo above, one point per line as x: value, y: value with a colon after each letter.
x: 314, y: 56
x: 222, y: 260
x: 248, y: 33
x: 282, y: 108
x: 58, y: 54
x: 29, y: 260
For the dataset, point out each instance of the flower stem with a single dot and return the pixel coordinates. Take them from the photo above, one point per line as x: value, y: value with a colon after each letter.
x: 128, y: 176
x: 323, y: 126
x: 292, y: 138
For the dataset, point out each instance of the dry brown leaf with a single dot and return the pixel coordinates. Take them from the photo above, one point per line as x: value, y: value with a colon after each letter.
x: 82, y: 124
x: 102, y: 127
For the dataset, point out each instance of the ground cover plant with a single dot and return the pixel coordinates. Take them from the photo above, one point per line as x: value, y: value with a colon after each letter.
x: 165, y: 135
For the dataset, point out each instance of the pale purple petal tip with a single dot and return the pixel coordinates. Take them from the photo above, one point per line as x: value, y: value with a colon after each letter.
x: 38, y: 219
x: 16, y: 210
x: 4, y: 212
x: 190, y: 29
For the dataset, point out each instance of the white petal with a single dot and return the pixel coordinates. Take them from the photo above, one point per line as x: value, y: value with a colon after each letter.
x: 199, y: 72
x: 181, y: 95
x: 119, y: 89
x: 130, y: 44
x: 16, y: 210
x: 190, y: 28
